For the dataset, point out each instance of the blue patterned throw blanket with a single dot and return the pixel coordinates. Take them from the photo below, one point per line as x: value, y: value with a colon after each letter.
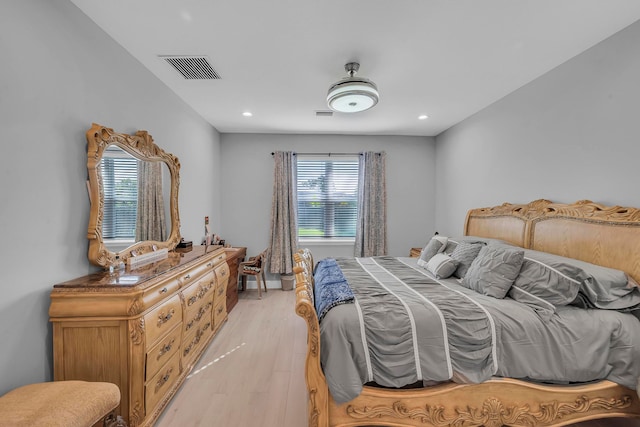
x: 331, y: 287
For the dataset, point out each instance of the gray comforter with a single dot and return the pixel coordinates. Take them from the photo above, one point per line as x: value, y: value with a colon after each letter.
x: 405, y: 326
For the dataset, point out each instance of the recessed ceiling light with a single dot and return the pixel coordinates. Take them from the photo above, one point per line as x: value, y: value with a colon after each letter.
x: 247, y: 114
x: 423, y: 117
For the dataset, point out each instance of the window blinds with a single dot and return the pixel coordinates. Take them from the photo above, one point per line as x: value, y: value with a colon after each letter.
x: 120, y: 187
x: 327, y: 197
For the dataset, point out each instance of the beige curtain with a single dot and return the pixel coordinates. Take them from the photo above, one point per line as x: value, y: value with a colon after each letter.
x: 371, y: 227
x: 150, y: 223
x: 284, y: 218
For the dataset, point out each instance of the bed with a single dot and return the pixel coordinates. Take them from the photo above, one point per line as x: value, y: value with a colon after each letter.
x: 584, y: 231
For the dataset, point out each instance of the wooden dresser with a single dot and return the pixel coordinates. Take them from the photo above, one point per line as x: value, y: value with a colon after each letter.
x: 234, y: 257
x: 143, y: 329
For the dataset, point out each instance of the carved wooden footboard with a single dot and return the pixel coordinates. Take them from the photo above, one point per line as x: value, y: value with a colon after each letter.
x: 495, y: 402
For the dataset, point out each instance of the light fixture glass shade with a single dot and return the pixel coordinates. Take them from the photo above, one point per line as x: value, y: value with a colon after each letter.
x: 352, y: 94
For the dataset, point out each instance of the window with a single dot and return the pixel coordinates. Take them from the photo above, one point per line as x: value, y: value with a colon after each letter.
x: 327, y: 197
x: 120, y: 186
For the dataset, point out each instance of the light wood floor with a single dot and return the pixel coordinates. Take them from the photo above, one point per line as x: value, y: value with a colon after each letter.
x: 252, y: 374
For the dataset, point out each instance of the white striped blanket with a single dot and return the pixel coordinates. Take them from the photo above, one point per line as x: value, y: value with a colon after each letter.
x: 405, y: 327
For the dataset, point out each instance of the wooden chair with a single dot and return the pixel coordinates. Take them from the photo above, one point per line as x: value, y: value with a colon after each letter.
x: 254, y: 266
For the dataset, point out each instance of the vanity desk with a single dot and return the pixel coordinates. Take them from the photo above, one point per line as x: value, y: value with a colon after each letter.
x: 234, y: 257
x: 142, y: 329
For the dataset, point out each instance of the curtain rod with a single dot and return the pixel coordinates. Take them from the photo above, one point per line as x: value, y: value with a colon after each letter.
x: 325, y: 154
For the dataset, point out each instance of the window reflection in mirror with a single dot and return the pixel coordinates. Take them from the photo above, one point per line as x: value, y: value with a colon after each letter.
x: 135, y: 205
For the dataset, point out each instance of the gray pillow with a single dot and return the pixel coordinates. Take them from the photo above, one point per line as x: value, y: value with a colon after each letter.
x: 493, y: 271
x: 441, y: 266
x: 562, y: 281
x: 464, y: 254
x: 549, y: 277
x: 559, y: 279
x: 435, y: 245
x: 624, y: 303
x: 454, y: 241
x: 543, y: 308
x: 604, y: 287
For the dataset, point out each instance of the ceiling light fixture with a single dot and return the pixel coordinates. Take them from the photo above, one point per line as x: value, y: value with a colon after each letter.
x: 247, y: 114
x: 352, y: 94
x: 423, y: 117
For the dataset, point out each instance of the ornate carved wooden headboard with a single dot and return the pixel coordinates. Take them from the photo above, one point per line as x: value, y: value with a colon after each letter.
x: 603, y: 235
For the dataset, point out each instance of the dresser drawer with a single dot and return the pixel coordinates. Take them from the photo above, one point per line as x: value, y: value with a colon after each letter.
x: 220, y: 292
x: 162, y: 319
x: 161, y: 383
x: 199, y: 291
x: 222, y: 272
x: 219, y: 313
x: 161, y: 352
x: 194, y: 341
x: 159, y: 292
x: 197, y: 314
x: 193, y: 274
x: 220, y: 258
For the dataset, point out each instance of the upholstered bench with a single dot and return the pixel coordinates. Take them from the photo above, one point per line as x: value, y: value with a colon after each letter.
x: 61, y: 403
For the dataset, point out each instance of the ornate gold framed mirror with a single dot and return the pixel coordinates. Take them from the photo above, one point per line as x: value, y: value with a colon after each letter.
x: 133, y: 190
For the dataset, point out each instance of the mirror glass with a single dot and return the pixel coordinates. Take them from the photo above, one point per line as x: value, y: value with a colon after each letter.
x: 133, y: 188
x: 136, y: 206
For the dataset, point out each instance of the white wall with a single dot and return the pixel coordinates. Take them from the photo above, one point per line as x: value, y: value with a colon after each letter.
x: 571, y: 134
x: 59, y: 74
x: 247, y: 171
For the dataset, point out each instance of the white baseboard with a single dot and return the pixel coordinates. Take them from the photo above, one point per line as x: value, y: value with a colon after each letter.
x: 271, y: 284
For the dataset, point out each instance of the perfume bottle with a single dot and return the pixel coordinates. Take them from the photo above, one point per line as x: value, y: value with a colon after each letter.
x: 116, y: 266
x: 119, y: 263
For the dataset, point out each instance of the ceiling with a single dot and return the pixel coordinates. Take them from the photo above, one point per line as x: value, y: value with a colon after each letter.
x: 447, y: 59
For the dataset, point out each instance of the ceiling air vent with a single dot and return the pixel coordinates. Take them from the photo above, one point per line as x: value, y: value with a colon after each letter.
x: 324, y: 113
x: 192, y: 67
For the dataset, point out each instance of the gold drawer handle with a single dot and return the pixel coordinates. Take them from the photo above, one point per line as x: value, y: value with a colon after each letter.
x: 165, y: 349
x: 163, y: 379
x: 196, y: 339
x: 224, y: 273
x: 209, y: 264
x: 219, y: 310
x: 193, y: 342
x: 187, y: 350
x: 187, y: 277
x: 164, y: 290
x: 201, y: 313
x: 162, y: 318
x: 203, y: 291
x: 198, y: 317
